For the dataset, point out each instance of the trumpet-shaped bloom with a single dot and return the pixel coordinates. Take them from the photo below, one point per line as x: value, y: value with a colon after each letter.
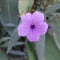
x: 32, y: 26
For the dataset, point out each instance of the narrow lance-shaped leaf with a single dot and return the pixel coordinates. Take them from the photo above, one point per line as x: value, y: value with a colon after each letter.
x: 9, y: 14
x: 13, y: 40
x: 55, y: 21
x: 40, y: 48
x: 26, y: 4
x: 50, y: 10
x: 31, y: 51
x: 17, y: 52
x: 16, y: 44
x: 55, y: 25
x: 3, y: 56
x: 4, y: 39
x: 51, y: 51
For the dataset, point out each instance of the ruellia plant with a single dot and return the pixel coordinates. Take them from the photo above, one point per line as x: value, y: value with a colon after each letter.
x: 29, y: 30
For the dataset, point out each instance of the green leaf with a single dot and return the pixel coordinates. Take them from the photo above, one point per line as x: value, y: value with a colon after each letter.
x: 16, y: 44
x: 52, y: 9
x: 14, y: 38
x: 55, y: 25
x: 31, y: 51
x: 54, y: 22
x: 9, y: 14
x: 3, y: 56
x: 51, y: 52
x: 17, y: 52
x: 40, y: 48
x: 4, y: 39
x: 24, y: 6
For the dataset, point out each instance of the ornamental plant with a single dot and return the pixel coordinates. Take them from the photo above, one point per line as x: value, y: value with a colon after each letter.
x: 29, y: 30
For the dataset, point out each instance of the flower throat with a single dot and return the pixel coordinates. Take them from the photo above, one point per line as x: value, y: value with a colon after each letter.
x: 32, y: 26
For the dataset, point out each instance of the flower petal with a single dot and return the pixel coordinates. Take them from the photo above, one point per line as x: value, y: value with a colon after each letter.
x: 23, y: 30
x: 26, y: 18
x: 42, y: 28
x: 38, y: 16
x: 33, y: 36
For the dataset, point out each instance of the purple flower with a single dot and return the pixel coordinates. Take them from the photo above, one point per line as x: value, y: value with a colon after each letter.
x: 32, y: 26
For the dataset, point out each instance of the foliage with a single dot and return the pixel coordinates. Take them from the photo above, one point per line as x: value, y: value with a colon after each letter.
x: 3, y: 55
x: 18, y: 47
x: 51, y: 51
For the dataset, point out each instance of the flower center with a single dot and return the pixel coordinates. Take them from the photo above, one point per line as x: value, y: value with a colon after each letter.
x: 32, y: 26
